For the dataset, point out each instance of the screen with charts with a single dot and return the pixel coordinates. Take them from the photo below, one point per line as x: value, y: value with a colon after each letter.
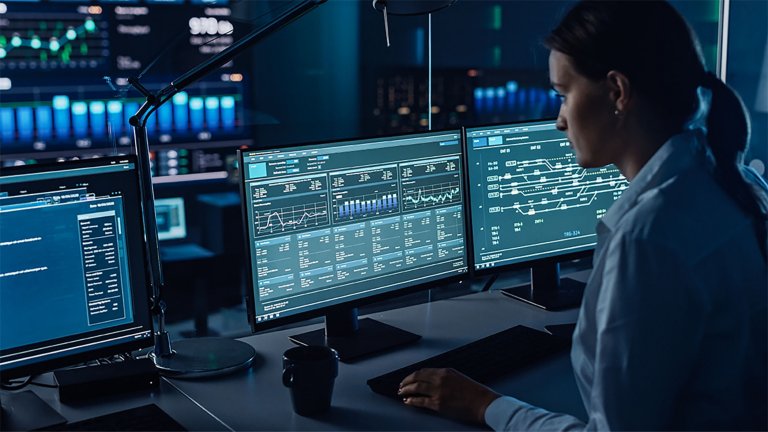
x: 332, y: 223
x: 529, y: 199
x: 64, y: 69
x: 72, y: 274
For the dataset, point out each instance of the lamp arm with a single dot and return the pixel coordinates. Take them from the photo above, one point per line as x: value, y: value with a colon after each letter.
x: 141, y: 145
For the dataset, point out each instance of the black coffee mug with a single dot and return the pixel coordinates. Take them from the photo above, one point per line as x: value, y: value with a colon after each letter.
x: 309, y: 372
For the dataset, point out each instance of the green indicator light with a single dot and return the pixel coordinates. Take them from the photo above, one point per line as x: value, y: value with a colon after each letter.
x: 43, y: 25
x: 71, y: 34
x: 90, y: 25
x: 183, y: 152
x: 496, y: 17
x: 3, y: 41
x: 43, y: 56
x: 83, y: 48
x: 59, y: 25
x: 35, y: 43
x: 184, y: 171
x: 16, y: 41
x: 184, y: 162
x: 65, y: 55
x: 496, y: 56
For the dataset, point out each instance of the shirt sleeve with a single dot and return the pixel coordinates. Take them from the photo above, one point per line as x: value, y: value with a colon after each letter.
x: 507, y: 414
x: 645, y: 347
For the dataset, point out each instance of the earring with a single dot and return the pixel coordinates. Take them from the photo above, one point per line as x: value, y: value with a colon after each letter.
x: 616, y: 112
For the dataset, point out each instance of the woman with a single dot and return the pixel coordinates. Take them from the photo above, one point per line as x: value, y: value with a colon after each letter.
x: 672, y: 331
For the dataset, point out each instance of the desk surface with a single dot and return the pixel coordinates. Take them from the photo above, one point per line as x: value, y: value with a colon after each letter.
x: 256, y: 399
x: 182, y: 408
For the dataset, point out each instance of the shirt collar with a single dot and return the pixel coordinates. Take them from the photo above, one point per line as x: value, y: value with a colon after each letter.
x: 671, y: 158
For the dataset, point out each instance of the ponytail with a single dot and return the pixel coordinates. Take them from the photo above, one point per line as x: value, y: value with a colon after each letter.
x: 728, y: 133
x: 667, y: 67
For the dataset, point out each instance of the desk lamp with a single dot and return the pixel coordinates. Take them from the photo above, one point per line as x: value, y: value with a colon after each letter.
x: 198, y: 357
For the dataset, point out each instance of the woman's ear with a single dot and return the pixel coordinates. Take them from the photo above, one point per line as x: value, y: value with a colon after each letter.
x: 620, y: 90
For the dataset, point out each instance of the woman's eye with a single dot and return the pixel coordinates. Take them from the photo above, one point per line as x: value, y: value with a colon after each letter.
x: 557, y: 94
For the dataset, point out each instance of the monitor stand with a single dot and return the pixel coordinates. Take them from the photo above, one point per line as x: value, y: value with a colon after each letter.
x: 26, y: 411
x: 353, y: 338
x: 547, y: 290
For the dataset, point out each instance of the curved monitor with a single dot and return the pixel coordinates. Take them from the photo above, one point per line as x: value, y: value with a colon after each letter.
x: 73, y: 281
x: 336, y: 224
x: 531, y: 204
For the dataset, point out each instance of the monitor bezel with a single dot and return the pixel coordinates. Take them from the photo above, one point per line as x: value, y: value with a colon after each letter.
x: 250, y: 300
x: 525, y: 263
x: 50, y: 364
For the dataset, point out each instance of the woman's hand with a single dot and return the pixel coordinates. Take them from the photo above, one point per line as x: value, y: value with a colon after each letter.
x: 448, y: 392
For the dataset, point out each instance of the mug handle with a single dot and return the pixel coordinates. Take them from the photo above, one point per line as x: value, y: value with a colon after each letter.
x: 288, y: 376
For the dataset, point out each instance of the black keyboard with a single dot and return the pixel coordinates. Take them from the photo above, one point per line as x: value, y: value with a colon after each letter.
x: 144, y: 418
x: 483, y: 360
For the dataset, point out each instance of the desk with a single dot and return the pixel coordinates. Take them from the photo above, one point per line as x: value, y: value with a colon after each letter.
x: 183, y: 409
x: 256, y: 399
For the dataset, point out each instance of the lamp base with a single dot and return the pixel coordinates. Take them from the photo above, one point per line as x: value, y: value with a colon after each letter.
x: 205, y: 357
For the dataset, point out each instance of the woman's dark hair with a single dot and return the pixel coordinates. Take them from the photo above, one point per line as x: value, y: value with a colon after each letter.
x: 650, y: 42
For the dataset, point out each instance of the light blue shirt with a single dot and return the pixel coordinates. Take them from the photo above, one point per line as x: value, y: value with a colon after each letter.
x: 672, y: 330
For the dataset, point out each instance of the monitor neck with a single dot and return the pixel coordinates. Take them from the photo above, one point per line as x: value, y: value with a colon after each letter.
x: 545, y: 276
x: 353, y: 338
x: 341, y: 323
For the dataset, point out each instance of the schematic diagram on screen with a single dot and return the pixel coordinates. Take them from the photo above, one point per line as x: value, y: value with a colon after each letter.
x: 548, y: 184
x: 530, y: 196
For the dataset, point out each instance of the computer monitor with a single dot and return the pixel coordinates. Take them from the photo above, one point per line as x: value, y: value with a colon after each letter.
x: 532, y: 205
x: 73, y: 281
x: 337, y: 224
x: 171, y: 222
x: 92, y: 49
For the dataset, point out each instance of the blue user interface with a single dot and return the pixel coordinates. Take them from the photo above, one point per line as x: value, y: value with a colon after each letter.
x: 72, y: 274
x: 91, y: 48
x: 529, y: 198
x: 332, y: 223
